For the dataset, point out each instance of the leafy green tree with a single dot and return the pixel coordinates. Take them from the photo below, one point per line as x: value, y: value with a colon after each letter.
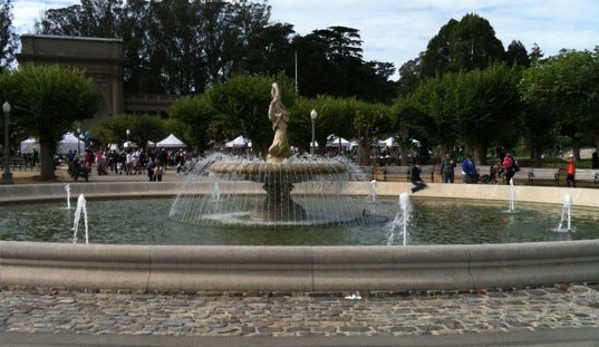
x: 566, y: 88
x: 46, y: 100
x: 142, y: 128
x: 8, y: 38
x: 465, y: 45
x: 241, y: 108
x: 516, y: 54
x: 269, y: 51
x: 197, y: 115
x: 479, y: 106
x: 92, y: 18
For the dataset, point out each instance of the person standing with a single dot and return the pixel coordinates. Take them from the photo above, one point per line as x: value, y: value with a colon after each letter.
x: 570, y: 178
x: 416, y: 179
x: 595, y: 160
x: 447, y: 168
x: 469, y: 170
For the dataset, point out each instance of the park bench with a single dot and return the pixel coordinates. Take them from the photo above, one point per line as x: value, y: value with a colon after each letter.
x: 394, y: 173
x: 540, y: 175
x: 397, y: 173
x: 17, y: 162
x: 368, y: 172
x: 586, y: 176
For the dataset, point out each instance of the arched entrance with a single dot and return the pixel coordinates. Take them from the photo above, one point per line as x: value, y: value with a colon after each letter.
x: 101, y: 59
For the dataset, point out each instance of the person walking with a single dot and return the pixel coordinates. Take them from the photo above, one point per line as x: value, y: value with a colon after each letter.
x: 447, y: 168
x: 508, y: 168
x: 570, y: 178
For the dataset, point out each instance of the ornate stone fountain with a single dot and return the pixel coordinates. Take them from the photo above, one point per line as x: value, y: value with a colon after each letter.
x: 278, y: 175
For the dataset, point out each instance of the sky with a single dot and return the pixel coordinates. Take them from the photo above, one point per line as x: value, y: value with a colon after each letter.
x: 396, y: 31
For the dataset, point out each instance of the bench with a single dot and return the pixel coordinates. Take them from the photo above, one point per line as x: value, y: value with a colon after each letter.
x: 367, y: 173
x: 543, y: 174
x: 18, y: 162
x: 397, y: 173
x: 525, y: 174
x: 587, y: 176
x: 394, y: 173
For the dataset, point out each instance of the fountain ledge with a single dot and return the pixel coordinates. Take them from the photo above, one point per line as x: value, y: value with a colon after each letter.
x: 299, y: 268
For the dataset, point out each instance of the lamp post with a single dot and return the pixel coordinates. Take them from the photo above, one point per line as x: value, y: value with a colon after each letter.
x: 6, y: 174
x: 78, y: 142
x: 128, y: 132
x: 313, y: 116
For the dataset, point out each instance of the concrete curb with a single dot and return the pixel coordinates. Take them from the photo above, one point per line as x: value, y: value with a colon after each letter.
x: 301, y: 268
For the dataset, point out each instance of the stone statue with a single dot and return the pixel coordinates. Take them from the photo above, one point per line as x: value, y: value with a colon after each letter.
x: 279, y: 116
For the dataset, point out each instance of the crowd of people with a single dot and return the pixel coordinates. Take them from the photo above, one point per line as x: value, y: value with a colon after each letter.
x: 152, y: 162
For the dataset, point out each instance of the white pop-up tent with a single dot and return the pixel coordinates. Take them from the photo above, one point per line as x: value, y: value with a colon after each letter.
x: 170, y: 142
x: 335, y: 141
x: 28, y: 145
x: 70, y: 142
x: 239, y: 142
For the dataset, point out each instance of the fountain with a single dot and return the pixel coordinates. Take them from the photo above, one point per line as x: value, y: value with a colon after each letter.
x: 566, y: 214
x: 281, y: 192
x: 512, y: 199
x: 80, y: 210
x: 288, y: 185
x: 67, y: 188
x: 401, y: 222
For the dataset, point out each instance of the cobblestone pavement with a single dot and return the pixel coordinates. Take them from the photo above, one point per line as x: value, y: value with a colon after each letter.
x: 229, y: 314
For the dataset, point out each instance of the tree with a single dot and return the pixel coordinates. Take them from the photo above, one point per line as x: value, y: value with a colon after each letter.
x: 197, y: 114
x: 516, y: 54
x: 330, y: 63
x: 465, y: 45
x: 46, y: 100
x: 8, y: 38
x: 479, y: 106
x: 142, y: 128
x: 93, y: 18
x: 566, y: 88
x: 241, y: 107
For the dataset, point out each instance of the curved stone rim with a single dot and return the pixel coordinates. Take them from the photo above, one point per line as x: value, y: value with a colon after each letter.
x: 295, y: 268
x: 251, y: 168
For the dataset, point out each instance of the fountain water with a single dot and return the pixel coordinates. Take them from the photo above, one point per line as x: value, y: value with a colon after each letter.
x: 284, y: 190
x: 81, y: 209
x: 512, y: 199
x: 566, y: 214
x: 372, y: 193
x: 67, y: 188
x: 399, y: 226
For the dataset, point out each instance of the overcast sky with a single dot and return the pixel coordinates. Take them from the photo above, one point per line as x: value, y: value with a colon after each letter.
x: 398, y: 30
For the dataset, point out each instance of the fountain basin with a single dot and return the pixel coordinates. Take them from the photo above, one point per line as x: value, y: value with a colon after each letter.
x: 299, y: 268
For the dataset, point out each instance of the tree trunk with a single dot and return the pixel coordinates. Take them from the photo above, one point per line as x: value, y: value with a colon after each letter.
x: 364, y: 153
x: 47, y: 163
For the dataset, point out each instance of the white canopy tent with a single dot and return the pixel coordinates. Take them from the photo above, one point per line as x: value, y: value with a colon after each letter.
x: 28, y: 145
x: 170, y: 142
x: 389, y: 142
x: 70, y: 142
x: 239, y: 142
x: 335, y: 141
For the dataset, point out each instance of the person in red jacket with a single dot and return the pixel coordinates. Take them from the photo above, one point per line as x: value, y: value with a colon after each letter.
x: 508, y: 167
x: 571, y: 172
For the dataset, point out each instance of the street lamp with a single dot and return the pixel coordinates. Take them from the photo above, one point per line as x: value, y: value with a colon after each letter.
x: 313, y: 116
x: 78, y: 142
x: 128, y: 132
x: 6, y: 175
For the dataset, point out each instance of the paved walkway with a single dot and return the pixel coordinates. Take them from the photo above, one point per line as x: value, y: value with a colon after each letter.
x: 380, y: 318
